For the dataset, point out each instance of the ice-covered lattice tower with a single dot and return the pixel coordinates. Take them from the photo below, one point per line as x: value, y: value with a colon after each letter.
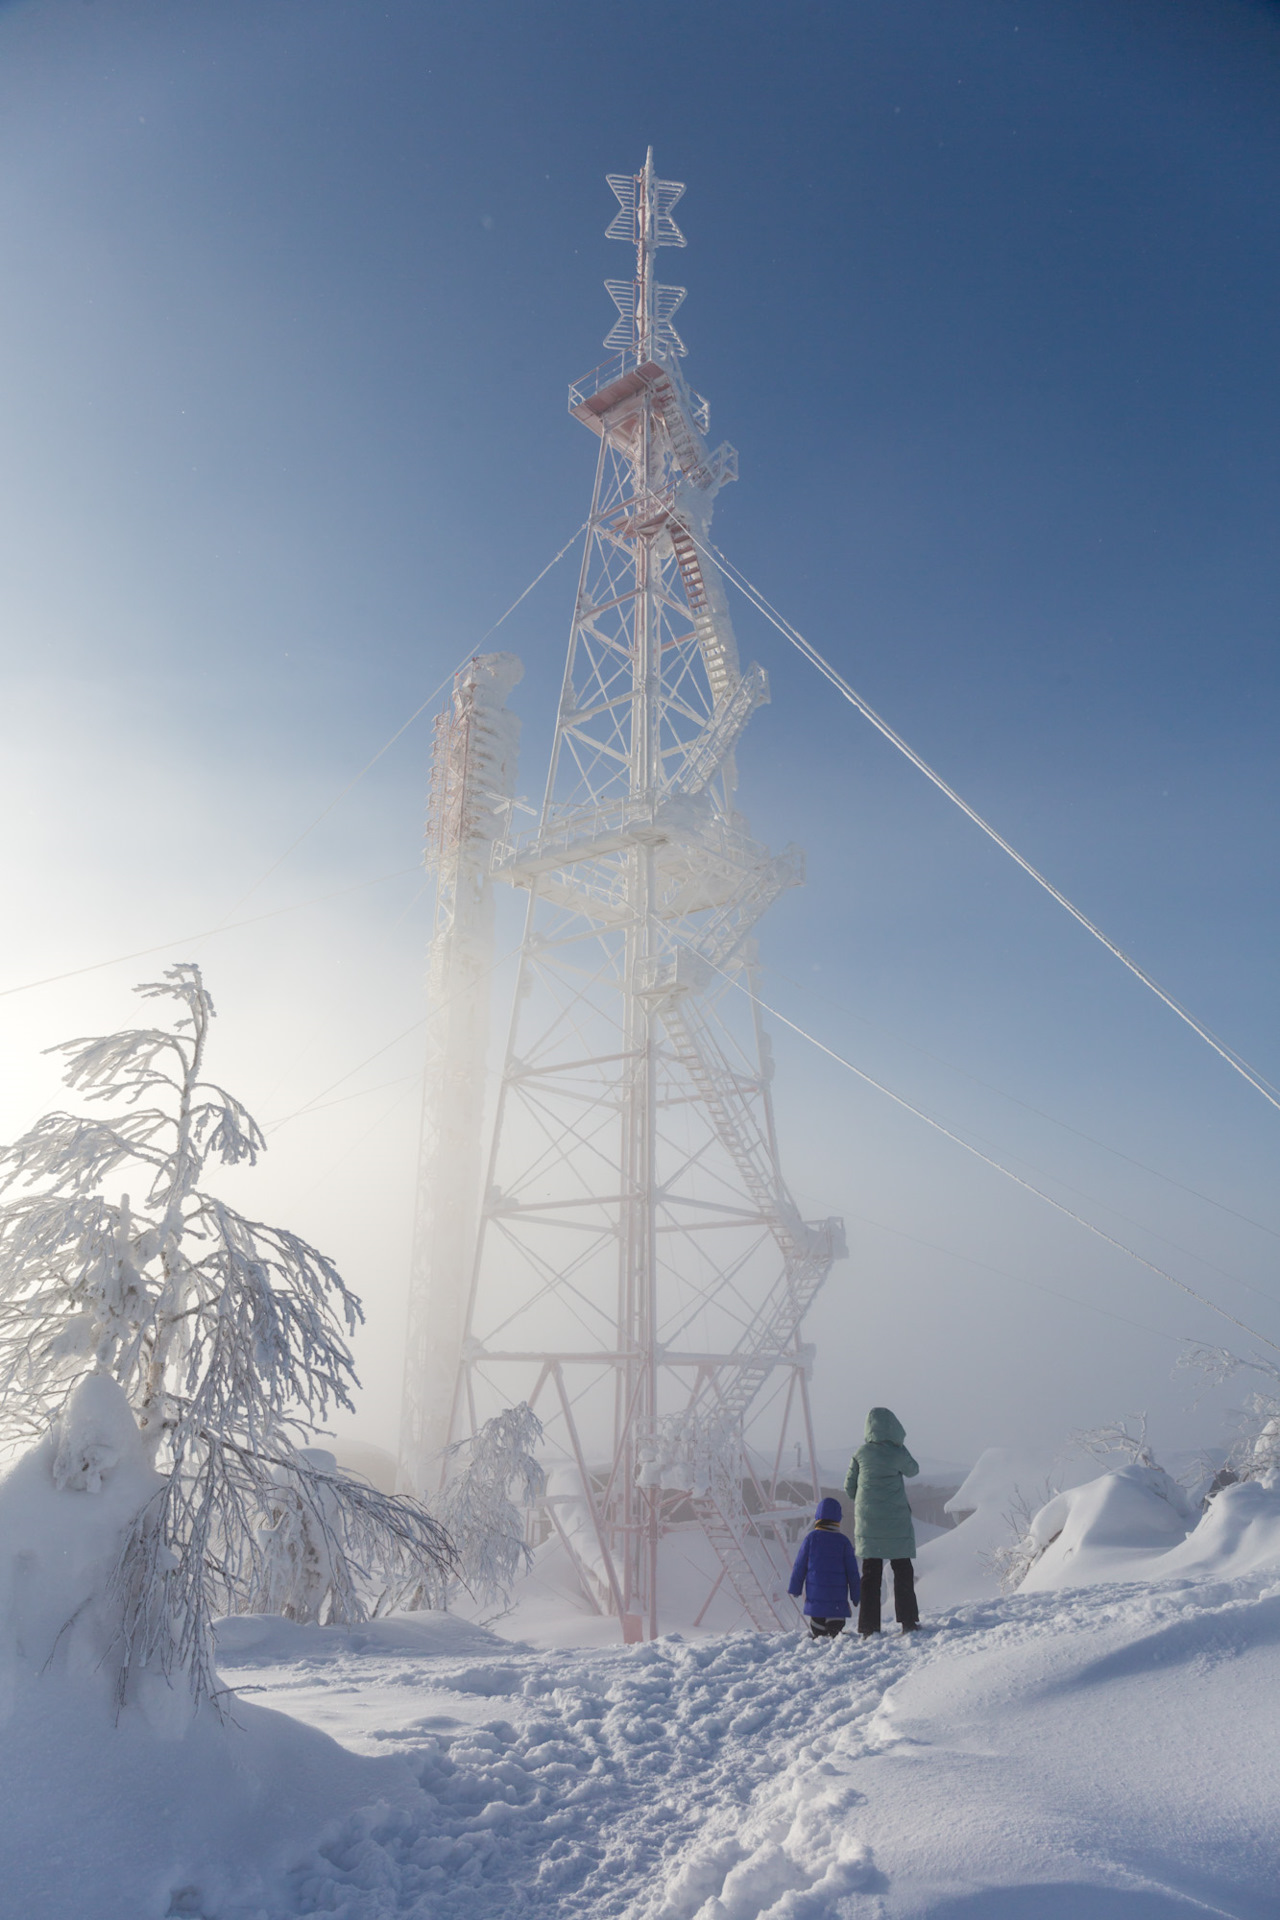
x: 473, y: 768
x: 641, y: 1270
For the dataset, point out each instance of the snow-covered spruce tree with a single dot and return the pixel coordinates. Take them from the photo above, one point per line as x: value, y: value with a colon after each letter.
x: 484, y: 1522
x: 226, y: 1337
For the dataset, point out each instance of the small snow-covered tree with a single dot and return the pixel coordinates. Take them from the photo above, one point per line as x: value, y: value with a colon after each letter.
x: 1126, y: 1440
x: 479, y: 1513
x: 1219, y: 1364
x: 1012, y: 1562
x: 1257, y: 1445
x: 226, y: 1336
x: 1115, y: 1438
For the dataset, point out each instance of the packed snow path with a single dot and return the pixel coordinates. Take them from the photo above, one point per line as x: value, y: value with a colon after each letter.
x: 1108, y: 1753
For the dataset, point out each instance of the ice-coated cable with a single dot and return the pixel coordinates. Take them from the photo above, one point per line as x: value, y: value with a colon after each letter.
x: 895, y: 739
x: 226, y: 925
x: 404, y: 727
x: 988, y: 1160
x: 1017, y: 1279
x: 190, y: 939
x: 310, y: 1106
x: 1054, y: 1121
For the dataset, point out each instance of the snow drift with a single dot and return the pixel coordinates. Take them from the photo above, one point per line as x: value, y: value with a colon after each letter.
x: 1135, y: 1524
x: 1106, y: 1529
x: 122, y: 1800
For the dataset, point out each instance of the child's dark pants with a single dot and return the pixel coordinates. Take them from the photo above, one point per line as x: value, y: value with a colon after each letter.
x: 904, y: 1595
x: 825, y: 1629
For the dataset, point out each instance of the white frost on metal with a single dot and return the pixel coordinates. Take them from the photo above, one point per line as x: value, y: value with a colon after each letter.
x: 472, y: 781
x: 641, y: 1269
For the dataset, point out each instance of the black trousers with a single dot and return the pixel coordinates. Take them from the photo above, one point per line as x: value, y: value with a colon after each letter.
x: 824, y: 1629
x: 904, y: 1595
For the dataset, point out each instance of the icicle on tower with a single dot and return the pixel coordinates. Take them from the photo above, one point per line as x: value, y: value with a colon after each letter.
x: 641, y: 1271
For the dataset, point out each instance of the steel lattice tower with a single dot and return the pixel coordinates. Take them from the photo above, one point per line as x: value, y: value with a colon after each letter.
x: 473, y: 770
x: 641, y: 1270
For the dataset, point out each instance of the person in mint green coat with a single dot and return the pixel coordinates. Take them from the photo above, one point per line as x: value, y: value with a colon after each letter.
x: 882, y: 1528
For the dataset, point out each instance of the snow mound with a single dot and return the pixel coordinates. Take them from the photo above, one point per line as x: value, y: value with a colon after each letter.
x: 1107, y: 1528
x: 64, y: 1509
x: 1135, y: 1525
x: 146, y: 1808
x: 1238, y: 1537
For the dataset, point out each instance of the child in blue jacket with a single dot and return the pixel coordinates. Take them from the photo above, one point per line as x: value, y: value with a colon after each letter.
x: 827, y: 1569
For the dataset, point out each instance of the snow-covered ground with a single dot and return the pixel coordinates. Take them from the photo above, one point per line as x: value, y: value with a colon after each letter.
x: 1101, y: 1745
x: 1109, y: 1751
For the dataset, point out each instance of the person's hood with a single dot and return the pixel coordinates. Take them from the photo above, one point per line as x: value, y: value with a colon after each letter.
x: 829, y: 1509
x: 883, y: 1425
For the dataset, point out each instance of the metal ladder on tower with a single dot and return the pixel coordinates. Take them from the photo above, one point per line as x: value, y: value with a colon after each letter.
x: 719, y: 670
x: 735, y: 1122
x: 687, y: 445
x: 722, y: 1520
x: 808, y: 1250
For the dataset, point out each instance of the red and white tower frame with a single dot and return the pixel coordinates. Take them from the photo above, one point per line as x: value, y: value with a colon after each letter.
x: 641, y: 1271
x: 473, y: 771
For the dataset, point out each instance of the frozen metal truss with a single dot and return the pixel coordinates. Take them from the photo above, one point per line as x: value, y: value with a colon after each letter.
x: 641, y: 1271
x: 473, y: 768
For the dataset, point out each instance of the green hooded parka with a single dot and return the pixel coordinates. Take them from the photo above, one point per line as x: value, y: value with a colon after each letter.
x: 882, y: 1528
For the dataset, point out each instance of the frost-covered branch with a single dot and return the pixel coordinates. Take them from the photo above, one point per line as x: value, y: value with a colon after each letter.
x: 1257, y: 1446
x: 1218, y: 1364
x: 1012, y: 1562
x: 483, y: 1506
x: 1115, y: 1439
x: 332, y: 1549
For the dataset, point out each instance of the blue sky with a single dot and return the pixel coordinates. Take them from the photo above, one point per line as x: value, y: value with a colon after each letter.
x: 985, y: 294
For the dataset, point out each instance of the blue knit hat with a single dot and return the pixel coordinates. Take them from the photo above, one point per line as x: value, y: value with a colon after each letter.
x: 829, y: 1509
